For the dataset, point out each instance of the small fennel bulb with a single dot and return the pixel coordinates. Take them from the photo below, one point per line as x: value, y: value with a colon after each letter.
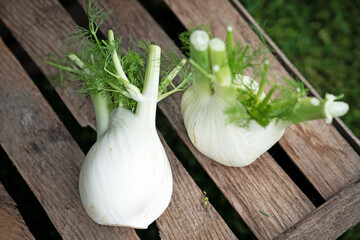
x: 228, y: 116
x: 212, y: 135
x: 125, y: 179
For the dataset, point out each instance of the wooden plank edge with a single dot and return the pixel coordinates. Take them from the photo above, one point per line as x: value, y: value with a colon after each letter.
x: 344, y: 131
x: 330, y: 220
x: 186, y: 216
x: 12, y: 225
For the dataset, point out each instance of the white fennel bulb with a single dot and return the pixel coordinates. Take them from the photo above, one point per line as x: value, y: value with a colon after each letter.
x: 228, y: 116
x: 212, y: 134
x: 126, y: 178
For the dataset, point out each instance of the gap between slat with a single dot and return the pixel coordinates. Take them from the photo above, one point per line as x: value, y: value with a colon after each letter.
x: 29, y: 207
x: 202, y: 179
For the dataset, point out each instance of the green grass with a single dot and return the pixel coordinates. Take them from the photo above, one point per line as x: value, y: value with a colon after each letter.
x: 321, y: 39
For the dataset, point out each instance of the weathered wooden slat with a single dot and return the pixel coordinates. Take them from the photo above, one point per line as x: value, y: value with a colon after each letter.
x: 261, y: 186
x: 326, y: 159
x: 293, y: 71
x: 186, y: 217
x: 44, y: 153
x: 339, y: 213
x: 12, y: 225
x: 195, y: 221
x: 32, y: 28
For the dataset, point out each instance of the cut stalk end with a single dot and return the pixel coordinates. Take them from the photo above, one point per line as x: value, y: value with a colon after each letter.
x: 200, y: 40
x: 217, y: 45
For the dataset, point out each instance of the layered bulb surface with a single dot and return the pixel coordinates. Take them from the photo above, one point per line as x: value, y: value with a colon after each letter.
x: 126, y: 178
x: 212, y: 134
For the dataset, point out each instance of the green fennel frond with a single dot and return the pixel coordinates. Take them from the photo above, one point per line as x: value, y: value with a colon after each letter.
x: 90, y: 61
x: 173, y: 79
x: 93, y: 66
x: 277, y: 104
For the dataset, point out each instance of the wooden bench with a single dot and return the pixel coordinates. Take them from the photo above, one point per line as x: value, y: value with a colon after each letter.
x: 49, y: 159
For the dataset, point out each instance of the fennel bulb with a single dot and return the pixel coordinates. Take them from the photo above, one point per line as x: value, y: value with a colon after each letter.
x: 119, y: 183
x: 212, y: 135
x: 228, y: 116
x: 125, y: 179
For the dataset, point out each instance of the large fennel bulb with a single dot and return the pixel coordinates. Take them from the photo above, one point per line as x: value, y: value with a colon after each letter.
x: 228, y: 116
x: 126, y: 178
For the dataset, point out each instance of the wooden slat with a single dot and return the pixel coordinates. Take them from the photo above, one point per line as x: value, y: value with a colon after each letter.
x: 186, y: 217
x: 195, y: 220
x: 45, y: 155
x: 293, y: 71
x: 12, y: 225
x: 261, y: 186
x: 318, y: 149
x: 32, y: 28
x: 329, y: 221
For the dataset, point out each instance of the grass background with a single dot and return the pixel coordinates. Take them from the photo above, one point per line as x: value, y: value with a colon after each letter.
x: 321, y: 38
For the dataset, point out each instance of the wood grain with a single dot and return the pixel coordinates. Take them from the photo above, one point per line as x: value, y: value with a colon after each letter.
x: 329, y: 221
x: 32, y: 29
x: 327, y: 160
x: 186, y: 217
x: 12, y: 225
x: 295, y: 73
x: 185, y: 209
x: 45, y: 154
x: 248, y: 189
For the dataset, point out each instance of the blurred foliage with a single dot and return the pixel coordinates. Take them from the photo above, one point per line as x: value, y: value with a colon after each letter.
x: 320, y: 39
